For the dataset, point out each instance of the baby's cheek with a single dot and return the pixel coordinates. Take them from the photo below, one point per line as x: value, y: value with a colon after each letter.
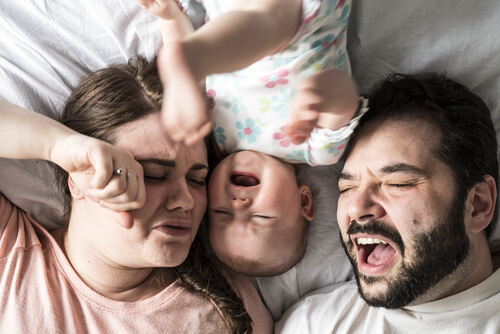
x: 216, y: 236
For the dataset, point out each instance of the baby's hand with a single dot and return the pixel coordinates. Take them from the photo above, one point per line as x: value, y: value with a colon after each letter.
x: 102, y: 172
x: 184, y: 107
x: 163, y: 9
x: 328, y: 99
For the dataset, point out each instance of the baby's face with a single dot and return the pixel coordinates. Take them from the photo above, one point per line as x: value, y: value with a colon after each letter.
x: 254, y: 208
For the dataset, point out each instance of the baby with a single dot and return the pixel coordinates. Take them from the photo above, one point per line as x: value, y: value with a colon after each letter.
x: 258, y: 215
x: 295, y: 105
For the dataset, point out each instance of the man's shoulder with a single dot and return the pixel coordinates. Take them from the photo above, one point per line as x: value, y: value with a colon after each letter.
x: 320, y: 310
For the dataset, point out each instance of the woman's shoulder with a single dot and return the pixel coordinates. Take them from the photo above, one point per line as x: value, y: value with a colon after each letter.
x: 17, y: 228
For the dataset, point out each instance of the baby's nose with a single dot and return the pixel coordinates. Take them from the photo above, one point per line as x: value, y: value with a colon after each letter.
x: 241, y: 202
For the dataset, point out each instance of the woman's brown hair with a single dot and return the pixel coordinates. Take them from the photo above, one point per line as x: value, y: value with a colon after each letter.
x: 108, y: 98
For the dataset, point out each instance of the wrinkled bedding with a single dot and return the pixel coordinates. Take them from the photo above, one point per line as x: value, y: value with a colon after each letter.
x: 47, y: 46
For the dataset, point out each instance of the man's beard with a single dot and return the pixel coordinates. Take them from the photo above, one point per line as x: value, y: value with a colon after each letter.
x: 439, y: 253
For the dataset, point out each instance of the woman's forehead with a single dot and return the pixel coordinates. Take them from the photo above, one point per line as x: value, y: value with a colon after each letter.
x: 146, y: 139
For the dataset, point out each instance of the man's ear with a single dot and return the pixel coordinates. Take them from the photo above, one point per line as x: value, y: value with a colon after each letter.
x: 484, y: 196
x: 307, y: 202
x: 75, y: 192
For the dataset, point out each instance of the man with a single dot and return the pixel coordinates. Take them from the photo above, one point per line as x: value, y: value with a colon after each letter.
x: 418, y: 193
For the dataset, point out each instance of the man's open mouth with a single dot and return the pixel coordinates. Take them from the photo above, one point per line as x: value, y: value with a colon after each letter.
x: 375, y: 252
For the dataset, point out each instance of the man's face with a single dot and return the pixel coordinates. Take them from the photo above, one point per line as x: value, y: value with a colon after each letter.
x: 400, y: 221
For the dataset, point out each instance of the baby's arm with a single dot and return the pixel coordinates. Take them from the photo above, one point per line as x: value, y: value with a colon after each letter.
x: 236, y: 39
x: 91, y: 163
x: 174, y: 23
x: 328, y: 99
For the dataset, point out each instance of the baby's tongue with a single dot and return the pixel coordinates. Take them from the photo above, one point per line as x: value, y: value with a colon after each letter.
x: 380, y: 254
x: 245, y: 180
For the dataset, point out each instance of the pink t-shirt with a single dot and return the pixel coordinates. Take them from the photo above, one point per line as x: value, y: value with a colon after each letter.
x: 41, y: 293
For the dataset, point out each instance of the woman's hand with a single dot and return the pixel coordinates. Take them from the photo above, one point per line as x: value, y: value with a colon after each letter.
x: 101, y: 172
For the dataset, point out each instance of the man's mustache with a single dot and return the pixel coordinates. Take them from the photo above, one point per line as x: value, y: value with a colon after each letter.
x: 379, y: 228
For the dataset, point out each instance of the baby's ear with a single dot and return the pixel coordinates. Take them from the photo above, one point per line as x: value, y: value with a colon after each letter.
x: 306, y: 202
x: 482, y: 198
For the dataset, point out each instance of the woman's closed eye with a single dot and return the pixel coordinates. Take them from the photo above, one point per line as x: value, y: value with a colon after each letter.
x: 197, y: 181
x: 155, y: 178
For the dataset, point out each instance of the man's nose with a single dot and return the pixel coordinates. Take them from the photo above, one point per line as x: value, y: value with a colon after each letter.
x: 240, y: 202
x: 365, y: 204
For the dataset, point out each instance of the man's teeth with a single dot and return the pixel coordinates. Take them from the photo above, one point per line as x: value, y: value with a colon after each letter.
x: 370, y: 241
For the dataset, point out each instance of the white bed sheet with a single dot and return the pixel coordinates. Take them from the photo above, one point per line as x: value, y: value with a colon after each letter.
x: 46, y: 47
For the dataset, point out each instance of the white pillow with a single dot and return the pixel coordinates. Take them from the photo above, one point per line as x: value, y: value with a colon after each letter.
x: 45, y: 49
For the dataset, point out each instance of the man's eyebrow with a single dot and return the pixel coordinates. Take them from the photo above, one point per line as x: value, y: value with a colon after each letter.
x: 405, y: 168
x: 163, y: 162
x: 344, y: 176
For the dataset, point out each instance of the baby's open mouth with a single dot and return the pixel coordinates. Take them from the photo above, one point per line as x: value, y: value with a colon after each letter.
x: 243, y: 179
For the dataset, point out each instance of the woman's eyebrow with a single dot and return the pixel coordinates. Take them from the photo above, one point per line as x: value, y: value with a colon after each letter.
x: 163, y: 162
x: 199, y: 166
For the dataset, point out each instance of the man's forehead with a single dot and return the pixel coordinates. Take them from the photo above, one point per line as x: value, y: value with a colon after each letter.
x: 394, y: 142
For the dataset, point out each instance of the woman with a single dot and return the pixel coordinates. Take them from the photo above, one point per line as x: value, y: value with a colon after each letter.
x: 111, y: 270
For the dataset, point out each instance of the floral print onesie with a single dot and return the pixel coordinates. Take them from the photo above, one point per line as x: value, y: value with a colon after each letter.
x: 251, y: 105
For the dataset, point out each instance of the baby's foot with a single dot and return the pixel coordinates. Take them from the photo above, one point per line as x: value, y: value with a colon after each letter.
x: 184, y: 109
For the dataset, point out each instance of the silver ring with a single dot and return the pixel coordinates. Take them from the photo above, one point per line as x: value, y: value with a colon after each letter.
x: 119, y: 171
x: 128, y: 176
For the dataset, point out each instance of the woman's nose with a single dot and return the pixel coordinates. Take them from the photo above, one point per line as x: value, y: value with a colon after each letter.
x: 240, y: 202
x: 365, y: 204
x: 179, y: 197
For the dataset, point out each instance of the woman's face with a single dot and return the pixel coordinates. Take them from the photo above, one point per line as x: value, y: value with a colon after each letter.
x: 163, y: 230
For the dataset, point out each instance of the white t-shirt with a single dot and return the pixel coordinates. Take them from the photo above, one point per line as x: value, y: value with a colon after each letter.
x: 339, y: 309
